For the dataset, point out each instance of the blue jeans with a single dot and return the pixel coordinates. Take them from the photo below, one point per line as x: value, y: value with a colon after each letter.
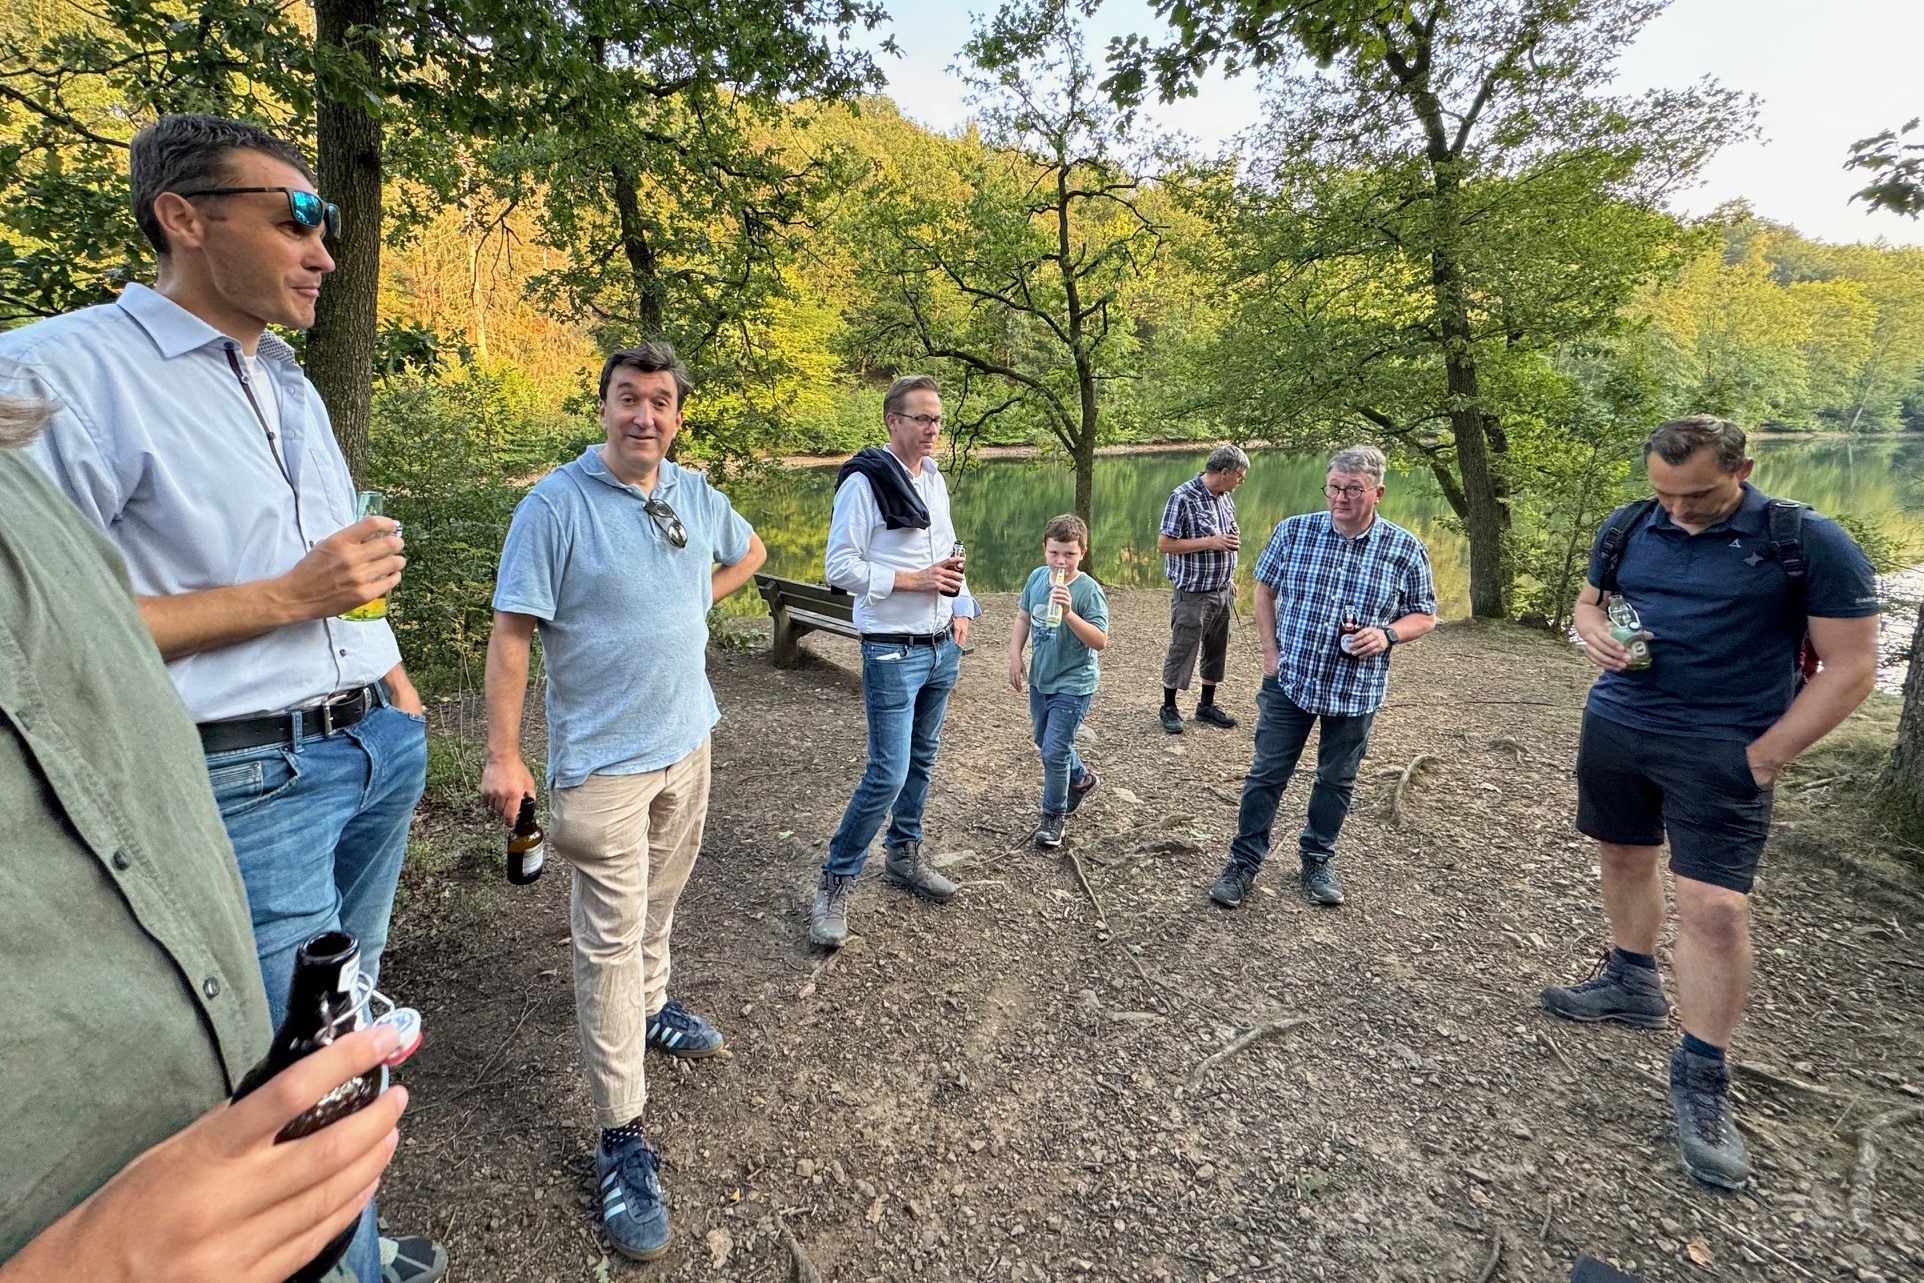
x: 1055, y: 718
x: 1282, y: 729
x: 905, y: 691
x: 319, y: 830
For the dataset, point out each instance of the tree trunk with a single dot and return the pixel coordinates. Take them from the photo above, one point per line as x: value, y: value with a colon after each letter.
x: 340, y: 347
x: 649, y: 310
x: 1485, y: 516
x: 1900, y: 789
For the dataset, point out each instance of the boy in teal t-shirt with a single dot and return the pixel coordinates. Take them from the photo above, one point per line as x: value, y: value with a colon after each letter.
x: 1065, y: 617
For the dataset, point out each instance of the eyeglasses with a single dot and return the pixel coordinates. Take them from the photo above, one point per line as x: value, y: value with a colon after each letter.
x: 1347, y: 492
x: 308, y: 209
x: 667, y: 522
x: 923, y: 420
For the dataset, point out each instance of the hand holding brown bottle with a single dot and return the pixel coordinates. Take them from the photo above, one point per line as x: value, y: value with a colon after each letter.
x: 219, y: 1199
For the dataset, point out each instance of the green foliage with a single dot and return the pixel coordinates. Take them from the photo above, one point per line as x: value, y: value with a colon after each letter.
x: 1897, y: 168
x: 455, y: 455
x: 1889, y: 551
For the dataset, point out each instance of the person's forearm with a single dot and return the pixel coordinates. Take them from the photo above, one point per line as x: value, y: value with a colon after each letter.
x: 505, y: 687
x: 1413, y: 625
x: 1826, y: 700
x: 1087, y: 633
x: 1177, y: 547
x: 1266, y: 619
x: 189, y: 623
x: 727, y: 579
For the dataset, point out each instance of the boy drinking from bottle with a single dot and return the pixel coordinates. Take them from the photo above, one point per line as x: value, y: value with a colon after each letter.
x: 1065, y: 618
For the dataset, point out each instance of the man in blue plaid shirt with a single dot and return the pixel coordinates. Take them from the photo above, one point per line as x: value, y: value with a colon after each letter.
x: 1335, y: 591
x: 1198, y: 540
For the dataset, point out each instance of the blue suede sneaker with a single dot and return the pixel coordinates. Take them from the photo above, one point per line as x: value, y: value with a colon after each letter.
x: 634, y: 1212
x: 677, y: 1031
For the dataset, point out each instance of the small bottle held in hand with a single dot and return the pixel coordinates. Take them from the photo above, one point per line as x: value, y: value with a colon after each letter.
x: 527, y: 848
x: 1628, y: 631
x: 1052, y: 613
x: 959, y: 555
x: 369, y: 503
x: 322, y: 1004
x: 1347, y: 629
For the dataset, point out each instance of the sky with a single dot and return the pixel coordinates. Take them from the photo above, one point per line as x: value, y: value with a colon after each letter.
x: 1827, y: 72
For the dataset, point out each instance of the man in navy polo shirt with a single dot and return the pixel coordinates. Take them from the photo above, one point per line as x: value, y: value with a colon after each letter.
x: 1689, y: 746
x: 616, y: 559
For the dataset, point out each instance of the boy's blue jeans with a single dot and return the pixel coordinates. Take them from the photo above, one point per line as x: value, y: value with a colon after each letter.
x: 319, y: 829
x: 1282, y: 729
x: 1055, y: 718
x: 905, y: 691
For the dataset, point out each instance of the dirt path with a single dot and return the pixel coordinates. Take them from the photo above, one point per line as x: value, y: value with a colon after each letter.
x: 1014, y: 1086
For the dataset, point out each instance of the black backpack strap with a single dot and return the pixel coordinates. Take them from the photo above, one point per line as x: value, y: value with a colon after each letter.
x: 1616, y: 531
x: 1787, y: 537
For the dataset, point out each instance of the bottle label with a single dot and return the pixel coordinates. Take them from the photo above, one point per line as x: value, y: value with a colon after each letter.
x: 531, y: 859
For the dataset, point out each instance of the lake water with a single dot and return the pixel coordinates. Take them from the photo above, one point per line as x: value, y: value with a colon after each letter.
x: 1001, y: 506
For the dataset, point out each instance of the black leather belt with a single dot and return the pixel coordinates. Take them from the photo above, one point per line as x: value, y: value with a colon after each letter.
x: 337, y: 714
x: 906, y: 639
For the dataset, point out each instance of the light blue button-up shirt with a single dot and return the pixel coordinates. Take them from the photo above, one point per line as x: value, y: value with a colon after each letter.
x: 623, y: 613
x: 153, y: 438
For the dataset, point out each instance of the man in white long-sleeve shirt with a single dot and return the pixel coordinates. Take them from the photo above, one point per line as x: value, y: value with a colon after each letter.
x: 892, y: 545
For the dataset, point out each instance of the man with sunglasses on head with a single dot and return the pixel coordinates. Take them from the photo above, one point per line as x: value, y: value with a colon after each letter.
x: 1335, y: 591
x: 183, y: 428
x: 891, y: 543
x: 615, y: 558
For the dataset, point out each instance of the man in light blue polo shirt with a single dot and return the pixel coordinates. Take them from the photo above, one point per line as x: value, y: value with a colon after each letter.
x: 616, y: 559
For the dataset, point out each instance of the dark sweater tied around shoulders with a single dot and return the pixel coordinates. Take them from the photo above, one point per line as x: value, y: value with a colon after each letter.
x: 902, y: 508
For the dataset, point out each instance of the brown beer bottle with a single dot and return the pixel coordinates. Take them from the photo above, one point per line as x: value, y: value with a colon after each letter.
x: 321, y: 1007
x: 527, y: 849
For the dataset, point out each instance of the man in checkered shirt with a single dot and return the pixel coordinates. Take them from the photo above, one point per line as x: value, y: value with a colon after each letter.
x: 1335, y: 591
x: 1198, y: 542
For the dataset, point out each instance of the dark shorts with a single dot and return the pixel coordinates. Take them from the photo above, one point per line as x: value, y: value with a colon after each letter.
x: 1634, y: 787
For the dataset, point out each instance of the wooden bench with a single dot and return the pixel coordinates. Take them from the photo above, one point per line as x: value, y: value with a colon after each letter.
x: 804, y: 608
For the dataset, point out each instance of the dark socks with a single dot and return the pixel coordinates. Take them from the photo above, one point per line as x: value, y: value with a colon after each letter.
x: 614, y: 1136
x: 1208, y: 696
x: 1695, y: 1046
x: 1643, y: 960
x: 1168, y: 697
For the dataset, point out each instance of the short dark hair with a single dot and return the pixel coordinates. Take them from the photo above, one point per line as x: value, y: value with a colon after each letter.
x: 181, y: 153
x: 648, y: 358
x: 1068, y: 528
x: 1675, y: 441
x: 898, y: 394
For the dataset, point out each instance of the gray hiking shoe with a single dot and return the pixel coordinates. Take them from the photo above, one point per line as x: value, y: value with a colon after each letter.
x: 1233, y: 885
x: 828, y: 920
x: 1700, y: 1095
x: 1048, y: 834
x: 1319, y: 883
x: 907, y: 869
x: 1616, y: 990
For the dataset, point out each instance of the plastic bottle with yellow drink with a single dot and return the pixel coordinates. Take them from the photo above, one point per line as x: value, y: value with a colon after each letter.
x: 369, y: 503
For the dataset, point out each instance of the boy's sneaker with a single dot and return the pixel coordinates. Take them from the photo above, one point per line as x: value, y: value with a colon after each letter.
x: 1171, y: 719
x: 1319, y: 883
x: 1616, y: 990
x: 1233, y: 885
x: 1048, y: 834
x: 634, y: 1212
x: 412, y: 1259
x: 1083, y: 788
x: 1215, y: 717
x: 1700, y: 1095
x: 677, y: 1031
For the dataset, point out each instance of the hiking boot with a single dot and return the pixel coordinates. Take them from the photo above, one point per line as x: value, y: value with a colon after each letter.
x: 1215, y: 717
x: 1083, y: 788
x: 1319, y: 883
x: 1616, y: 990
x: 1048, y: 834
x: 634, y: 1212
x: 907, y: 869
x: 1233, y: 885
x: 1700, y: 1095
x: 1171, y: 719
x: 679, y: 1032
x: 828, y: 920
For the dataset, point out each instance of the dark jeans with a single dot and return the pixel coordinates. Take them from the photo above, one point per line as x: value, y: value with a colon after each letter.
x: 1282, y: 729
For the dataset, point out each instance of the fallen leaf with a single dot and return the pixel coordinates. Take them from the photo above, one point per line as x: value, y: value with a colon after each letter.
x: 786, y: 833
x: 806, y: 991
x: 719, y: 1246
x: 1128, y: 797
x: 1700, y: 1252
x: 875, y: 1211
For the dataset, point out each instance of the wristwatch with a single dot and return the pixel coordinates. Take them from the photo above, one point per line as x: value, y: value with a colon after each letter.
x: 1389, y: 634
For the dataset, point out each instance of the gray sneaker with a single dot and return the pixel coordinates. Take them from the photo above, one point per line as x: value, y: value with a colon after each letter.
x: 828, y: 920
x: 907, y: 869
x: 1616, y: 990
x: 1048, y: 834
x: 1700, y: 1095
x: 1233, y: 886
x: 1319, y: 883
